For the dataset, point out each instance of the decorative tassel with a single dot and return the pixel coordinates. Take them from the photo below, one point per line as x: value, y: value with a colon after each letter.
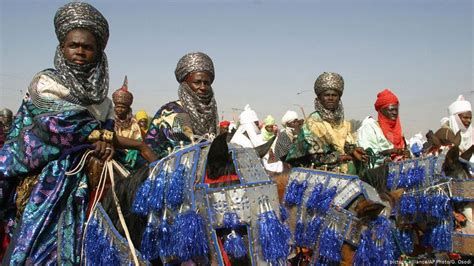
x: 366, y: 253
x: 425, y: 203
x: 295, y: 192
x: 175, y: 195
x: 322, y: 206
x: 158, y: 191
x: 384, y: 240
x: 149, y: 246
x: 314, y: 198
x: 164, y: 237
x: 440, y: 207
x: 405, y: 239
x: 231, y: 220
x: 234, y: 245
x: 390, y: 180
x: 283, y: 214
x: 414, y: 176
x: 330, y: 244
x: 92, y: 249
x: 273, y: 235
x: 407, y: 204
x: 312, y: 231
x: 111, y: 255
x: 140, y: 203
x: 189, y: 237
x: 441, y: 237
x: 300, y: 237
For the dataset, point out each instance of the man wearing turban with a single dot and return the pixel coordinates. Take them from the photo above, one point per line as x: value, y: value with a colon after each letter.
x: 384, y: 135
x: 291, y: 128
x: 143, y: 121
x: 269, y: 128
x: 195, y: 113
x: 459, y: 123
x: 224, y: 127
x: 125, y: 124
x: 248, y: 133
x: 54, y: 126
x: 326, y: 139
x: 6, y: 118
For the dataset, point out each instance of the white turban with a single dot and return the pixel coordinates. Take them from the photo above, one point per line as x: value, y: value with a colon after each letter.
x: 288, y: 117
x: 459, y: 106
x: 456, y: 125
x: 248, y: 115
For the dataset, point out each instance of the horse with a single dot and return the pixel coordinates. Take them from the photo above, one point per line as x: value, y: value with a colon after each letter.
x: 221, y: 162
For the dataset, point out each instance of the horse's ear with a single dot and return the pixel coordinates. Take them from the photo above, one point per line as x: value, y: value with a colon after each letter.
x: 218, y: 156
x: 433, y: 139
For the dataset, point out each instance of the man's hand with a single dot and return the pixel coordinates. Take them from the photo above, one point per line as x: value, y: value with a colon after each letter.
x: 360, y: 155
x: 103, y: 150
x: 147, y: 153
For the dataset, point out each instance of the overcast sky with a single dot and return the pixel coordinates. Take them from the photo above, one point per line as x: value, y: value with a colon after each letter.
x: 266, y: 53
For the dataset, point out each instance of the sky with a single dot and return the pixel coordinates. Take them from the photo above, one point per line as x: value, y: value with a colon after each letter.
x: 266, y: 53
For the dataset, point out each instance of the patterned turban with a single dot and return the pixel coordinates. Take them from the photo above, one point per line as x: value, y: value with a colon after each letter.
x: 81, y: 15
x: 122, y: 95
x: 194, y: 62
x: 6, y: 112
x: 329, y: 81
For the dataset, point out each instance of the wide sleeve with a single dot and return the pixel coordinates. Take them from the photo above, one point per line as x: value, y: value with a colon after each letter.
x: 39, y: 136
x: 369, y: 135
x: 167, y: 129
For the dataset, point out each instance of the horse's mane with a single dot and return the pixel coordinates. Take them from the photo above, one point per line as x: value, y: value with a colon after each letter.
x: 125, y: 189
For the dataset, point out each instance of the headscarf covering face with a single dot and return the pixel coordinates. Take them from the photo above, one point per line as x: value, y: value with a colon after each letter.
x: 329, y: 81
x: 455, y: 123
x: 391, y: 129
x: 268, y: 121
x: 248, y: 116
x: 247, y: 126
x: 201, y: 108
x: 88, y: 84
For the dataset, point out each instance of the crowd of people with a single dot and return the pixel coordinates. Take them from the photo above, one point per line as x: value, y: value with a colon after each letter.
x: 66, y: 111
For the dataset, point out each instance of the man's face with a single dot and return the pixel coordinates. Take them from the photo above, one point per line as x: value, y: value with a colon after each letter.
x: 330, y: 99
x: 6, y: 122
x: 143, y: 123
x: 223, y: 129
x: 466, y: 118
x: 80, y: 47
x: 295, y: 123
x: 269, y: 128
x: 121, y: 110
x: 390, y: 112
x: 199, y: 82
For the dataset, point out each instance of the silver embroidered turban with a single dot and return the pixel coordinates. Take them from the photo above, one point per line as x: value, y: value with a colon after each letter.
x: 194, y: 62
x: 329, y: 81
x: 81, y: 15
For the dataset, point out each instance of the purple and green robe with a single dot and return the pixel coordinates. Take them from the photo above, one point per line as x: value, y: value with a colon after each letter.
x: 46, y: 140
